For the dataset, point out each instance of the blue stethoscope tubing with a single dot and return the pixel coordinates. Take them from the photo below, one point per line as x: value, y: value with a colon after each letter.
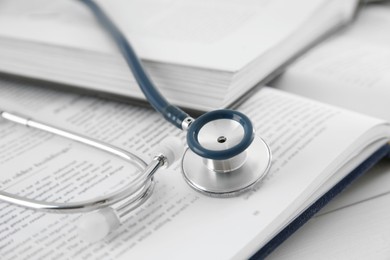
x: 171, y: 113
x: 217, y: 160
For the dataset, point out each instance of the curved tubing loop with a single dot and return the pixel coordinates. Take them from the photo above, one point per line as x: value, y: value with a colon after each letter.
x: 133, y: 191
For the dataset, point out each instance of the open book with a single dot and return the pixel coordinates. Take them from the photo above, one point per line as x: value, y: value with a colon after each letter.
x: 314, y: 147
x: 352, y: 226
x: 350, y: 70
x: 202, y: 54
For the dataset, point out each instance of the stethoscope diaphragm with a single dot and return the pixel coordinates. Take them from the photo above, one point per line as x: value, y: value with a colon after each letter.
x: 225, y: 158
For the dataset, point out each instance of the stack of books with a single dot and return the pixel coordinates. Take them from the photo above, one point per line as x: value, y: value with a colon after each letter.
x: 202, y: 55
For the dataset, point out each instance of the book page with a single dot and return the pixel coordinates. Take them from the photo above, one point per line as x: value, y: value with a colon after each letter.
x: 194, y: 33
x: 342, y: 228
x: 351, y: 69
x: 174, y: 221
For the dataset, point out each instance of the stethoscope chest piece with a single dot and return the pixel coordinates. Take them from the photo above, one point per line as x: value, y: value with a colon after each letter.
x: 220, y: 176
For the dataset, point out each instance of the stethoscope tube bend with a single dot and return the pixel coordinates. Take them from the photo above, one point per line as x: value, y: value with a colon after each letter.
x: 138, y: 186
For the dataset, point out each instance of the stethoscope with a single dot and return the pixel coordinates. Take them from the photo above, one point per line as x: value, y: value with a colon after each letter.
x: 224, y: 157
